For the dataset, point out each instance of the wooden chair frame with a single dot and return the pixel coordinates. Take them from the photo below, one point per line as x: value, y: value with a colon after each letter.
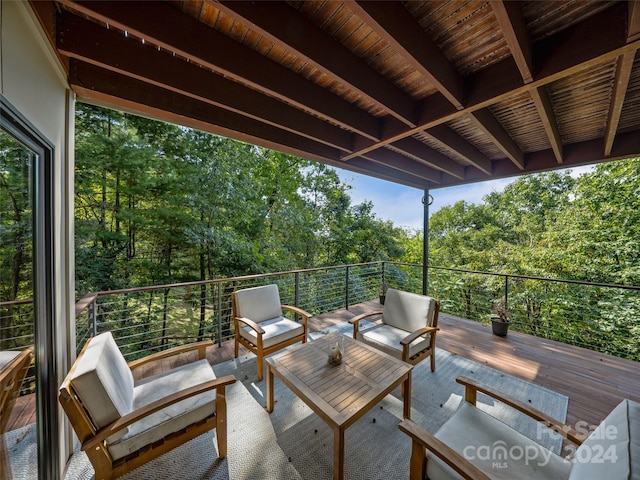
x: 94, y: 441
x: 421, y: 440
x: 258, y: 349
x: 406, y: 341
x: 11, y: 379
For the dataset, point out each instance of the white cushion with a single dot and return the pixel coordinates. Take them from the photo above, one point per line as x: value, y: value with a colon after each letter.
x: 6, y: 357
x: 276, y: 330
x: 173, y: 418
x: 497, y: 449
x: 258, y: 303
x: 103, y: 381
x: 408, y: 311
x: 612, y: 450
x: 387, y: 339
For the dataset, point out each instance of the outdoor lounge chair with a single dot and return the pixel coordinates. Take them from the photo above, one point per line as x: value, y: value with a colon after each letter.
x: 260, y: 325
x: 13, y: 369
x: 407, y: 329
x: 472, y: 444
x: 123, y: 424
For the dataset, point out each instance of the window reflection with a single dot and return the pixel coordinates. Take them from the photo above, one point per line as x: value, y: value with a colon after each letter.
x: 18, y: 451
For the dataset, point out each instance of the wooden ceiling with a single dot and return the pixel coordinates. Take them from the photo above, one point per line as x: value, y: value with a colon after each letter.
x: 423, y: 93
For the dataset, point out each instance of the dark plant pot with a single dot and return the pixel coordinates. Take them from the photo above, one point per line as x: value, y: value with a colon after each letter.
x: 499, y: 327
x: 382, y: 297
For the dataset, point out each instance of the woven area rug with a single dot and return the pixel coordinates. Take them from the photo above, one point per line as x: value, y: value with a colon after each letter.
x: 294, y: 443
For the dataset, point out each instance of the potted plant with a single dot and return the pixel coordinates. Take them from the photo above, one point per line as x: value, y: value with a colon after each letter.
x: 383, y: 292
x: 500, y: 318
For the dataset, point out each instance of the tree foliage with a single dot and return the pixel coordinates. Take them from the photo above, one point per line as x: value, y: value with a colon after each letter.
x: 157, y: 203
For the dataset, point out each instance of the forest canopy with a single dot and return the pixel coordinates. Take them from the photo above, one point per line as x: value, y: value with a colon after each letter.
x: 157, y: 203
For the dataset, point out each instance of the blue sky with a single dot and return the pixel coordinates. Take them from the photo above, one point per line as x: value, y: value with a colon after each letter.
x: 403, y: 205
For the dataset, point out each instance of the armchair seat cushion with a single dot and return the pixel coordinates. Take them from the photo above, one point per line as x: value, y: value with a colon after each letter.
x: 498, y: 450
x: 276, y: 331
x: 172, y: 418
x: 387, y: 338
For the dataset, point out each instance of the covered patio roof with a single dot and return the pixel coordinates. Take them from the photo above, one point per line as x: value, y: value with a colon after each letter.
x: 427, y: 94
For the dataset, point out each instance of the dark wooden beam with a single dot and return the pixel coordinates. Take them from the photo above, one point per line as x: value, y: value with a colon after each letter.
x: 577, y: 154
x: 633, y: 29
x: 391, y: 21
x: 426, y: 155
x: 399, y: 162
x: 596, y: 40
x: 623, y: 74
x: 144, y: 62
x: 542, y: 101
x: 514, y: 30
x: 380, y: 170
x: 281, y: 24
x: 486, y: 122
x: 449, y: 138
x: 89, y: 80
x: 229, y: 58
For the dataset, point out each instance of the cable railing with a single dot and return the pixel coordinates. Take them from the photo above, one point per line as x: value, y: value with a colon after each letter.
x: 601, y: 317
x: 16, y: 334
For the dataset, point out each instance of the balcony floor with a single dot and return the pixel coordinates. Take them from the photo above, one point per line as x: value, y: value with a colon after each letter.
x: 595, y: 383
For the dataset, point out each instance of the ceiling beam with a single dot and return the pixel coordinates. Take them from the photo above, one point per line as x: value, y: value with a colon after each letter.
x: 633, y: 29
x: 426, y: 155
x: 623, y: 74
x: 229, y: 58
x: 486, y: 122
x: 449, y: 138
x: 146, y: 63
x: 88, y: 78
x: 394, y: 160
x: 282, y: 24
x: 542, y: 101
x: 391, y: 21
x: 576, y: 154
x: 384, y: 172
x: 592, y: 42
x: 514, y: 30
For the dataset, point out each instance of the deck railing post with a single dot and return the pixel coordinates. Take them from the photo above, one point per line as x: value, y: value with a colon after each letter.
x: 346, y: 288
x: 506, y: 291
x: 219, y: 314
x: 297, y: 293
x: 93, y: 327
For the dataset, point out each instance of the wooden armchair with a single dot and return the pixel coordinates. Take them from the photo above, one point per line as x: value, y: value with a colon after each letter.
x: 123, y: 424
x: 13, y: 369
x: 408, y: 327
x: 260, y: 325
x: 473, y: 445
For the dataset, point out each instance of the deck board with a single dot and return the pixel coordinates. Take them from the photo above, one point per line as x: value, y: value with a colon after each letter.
x: 594, y: 382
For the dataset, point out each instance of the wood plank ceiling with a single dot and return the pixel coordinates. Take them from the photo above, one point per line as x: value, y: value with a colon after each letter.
x: 423, y: 93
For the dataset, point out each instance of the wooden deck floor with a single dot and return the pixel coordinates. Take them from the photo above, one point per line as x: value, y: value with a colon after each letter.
x: 594, y: 383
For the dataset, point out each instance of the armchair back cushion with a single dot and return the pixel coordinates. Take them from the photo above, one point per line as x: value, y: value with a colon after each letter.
x: 103, y: 381
x: 612, y: 450
x: 259, y: 303
x: 408, y: 311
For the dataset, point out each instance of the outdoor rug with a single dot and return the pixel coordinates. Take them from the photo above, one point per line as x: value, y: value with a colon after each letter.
x: 294, y: 443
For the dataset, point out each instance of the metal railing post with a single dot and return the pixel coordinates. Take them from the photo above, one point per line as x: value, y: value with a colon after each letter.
x: 346, y: 288
x: 297, y: 293
x: 506, y: 291
x: 219, y: 314
x: 93, y: 327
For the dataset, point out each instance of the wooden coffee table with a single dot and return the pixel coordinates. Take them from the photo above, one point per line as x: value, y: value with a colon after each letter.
x: 340, y: 394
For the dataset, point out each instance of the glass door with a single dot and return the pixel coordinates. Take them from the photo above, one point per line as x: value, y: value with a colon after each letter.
x: 29, y: 416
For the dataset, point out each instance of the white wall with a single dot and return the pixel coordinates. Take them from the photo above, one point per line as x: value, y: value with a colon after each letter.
x: 34, y: 83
